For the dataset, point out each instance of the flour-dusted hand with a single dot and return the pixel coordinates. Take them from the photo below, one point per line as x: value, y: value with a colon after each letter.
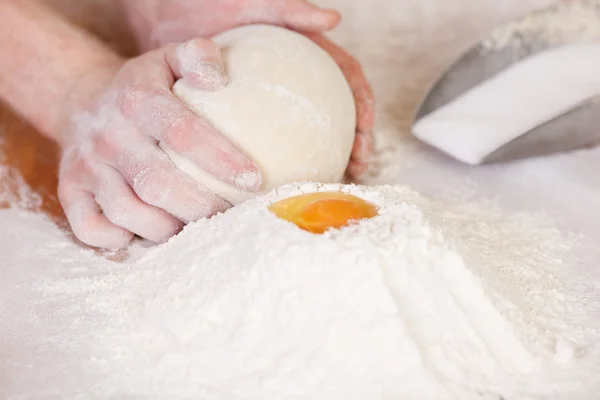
x: 158, y: 22
x: 114, y: 179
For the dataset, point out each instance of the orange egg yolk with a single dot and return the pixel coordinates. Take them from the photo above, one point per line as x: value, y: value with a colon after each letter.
x: 319, y: 212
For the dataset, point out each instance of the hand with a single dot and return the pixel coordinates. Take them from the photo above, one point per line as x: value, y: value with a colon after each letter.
x: 114, y: 181
x: 158, y: 22
x: 365, y: 109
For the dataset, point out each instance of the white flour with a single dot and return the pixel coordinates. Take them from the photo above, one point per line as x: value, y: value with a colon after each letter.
x: 432, y: 299
x: 572, y: 20
x: 428, y: 300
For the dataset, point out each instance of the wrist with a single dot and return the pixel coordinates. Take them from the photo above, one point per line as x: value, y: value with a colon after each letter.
x: 47, y: 56
x: 82, y: 93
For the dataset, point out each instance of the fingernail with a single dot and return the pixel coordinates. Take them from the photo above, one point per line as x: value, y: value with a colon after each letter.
x: 200, y: 66
x: 249, y: 180
x: 214, y: 75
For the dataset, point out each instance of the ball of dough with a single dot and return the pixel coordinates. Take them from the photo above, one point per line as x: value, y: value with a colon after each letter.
x: 287, y: 104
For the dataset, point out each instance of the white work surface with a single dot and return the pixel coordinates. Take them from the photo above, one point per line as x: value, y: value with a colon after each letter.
x: 403, y: 45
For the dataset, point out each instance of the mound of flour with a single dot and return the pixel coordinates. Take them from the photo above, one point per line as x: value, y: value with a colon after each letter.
x: 424, y: 301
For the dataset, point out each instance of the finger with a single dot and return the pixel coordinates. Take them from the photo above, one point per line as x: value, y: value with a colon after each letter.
x: 365, y: 109
x: 363, y: 94
x: 82, y: 212
x: 123, y: 208
x: 157, y: 182
x: 295, y: 14
x: 361, y: 152
x: 355, y: 171
x: 165, y: 118
x: 86, y: 219
x: 198, y: 62
x: 301, y: 15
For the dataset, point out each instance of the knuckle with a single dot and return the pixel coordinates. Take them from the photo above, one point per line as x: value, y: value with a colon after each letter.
x: 150, y: 109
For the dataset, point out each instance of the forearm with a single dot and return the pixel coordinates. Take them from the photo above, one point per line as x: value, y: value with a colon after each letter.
x: 42, y: 57
x: 101, y: 18
x: 142, y: 17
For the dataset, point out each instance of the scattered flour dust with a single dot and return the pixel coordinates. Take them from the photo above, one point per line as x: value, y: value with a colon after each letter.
x: 14, y: 191
x: 428, y: 300
x: 567, y: 21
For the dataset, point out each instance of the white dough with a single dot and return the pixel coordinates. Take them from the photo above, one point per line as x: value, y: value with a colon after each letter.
x: 287, y: 105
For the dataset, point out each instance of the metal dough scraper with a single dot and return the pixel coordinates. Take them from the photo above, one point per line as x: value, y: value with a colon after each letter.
x: 572, y: 22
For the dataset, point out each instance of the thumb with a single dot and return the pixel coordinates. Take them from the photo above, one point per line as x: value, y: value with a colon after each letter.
x: 198, y: 62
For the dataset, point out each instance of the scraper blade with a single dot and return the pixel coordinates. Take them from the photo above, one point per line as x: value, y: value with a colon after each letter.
x: 572, y: 22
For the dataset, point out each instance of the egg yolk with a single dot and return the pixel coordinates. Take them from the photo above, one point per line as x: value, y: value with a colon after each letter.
x: 319, y: 212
